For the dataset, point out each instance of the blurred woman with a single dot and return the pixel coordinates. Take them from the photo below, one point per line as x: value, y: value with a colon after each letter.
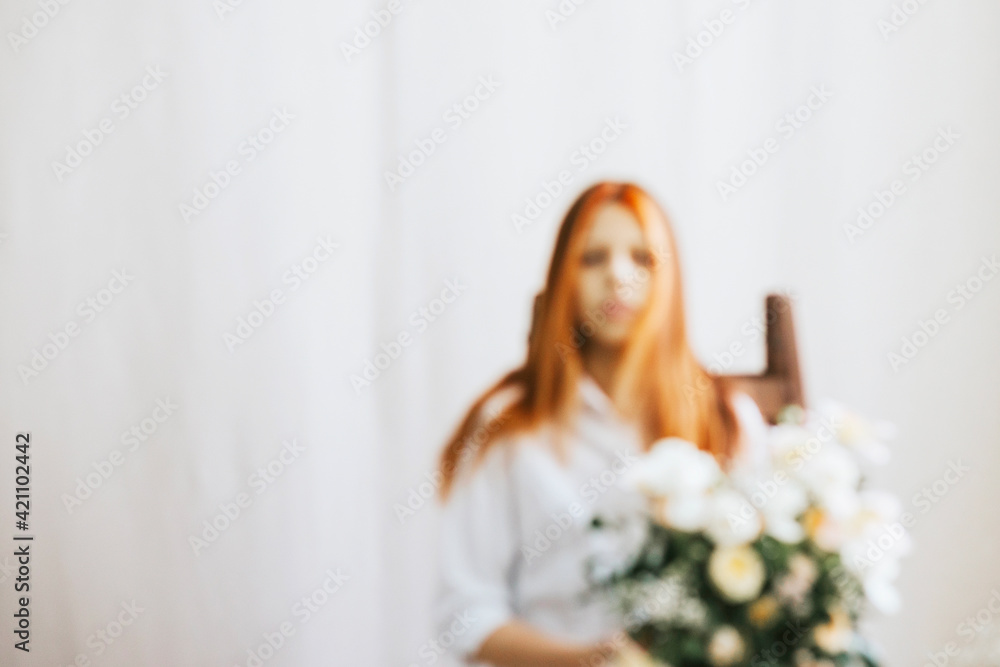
x: 608, y: 371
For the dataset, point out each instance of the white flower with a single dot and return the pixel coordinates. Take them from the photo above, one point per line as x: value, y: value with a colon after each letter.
x: 726, y: 646
x: 732, y: 519
x: 675, y: 467
x: 737, y: 572
x: 785, y: 530
x: 782, y: 510
x: 876, y: 543
x: 877, y: 509
x: 882, y: 594
x: 877, y: 574
x: 832, y: 475
x: 788, y: 445
x: 876, y: 529
x: 829, y: 533
x: 688, y: 512
x: 863, y: 436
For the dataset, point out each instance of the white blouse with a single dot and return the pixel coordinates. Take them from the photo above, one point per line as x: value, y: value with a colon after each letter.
x: 515, y: 535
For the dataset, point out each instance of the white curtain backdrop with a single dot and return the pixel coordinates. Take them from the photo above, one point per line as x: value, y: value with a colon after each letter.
x: 199, y: 247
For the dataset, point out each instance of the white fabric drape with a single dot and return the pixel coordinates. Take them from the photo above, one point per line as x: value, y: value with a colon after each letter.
x: 229, y: 215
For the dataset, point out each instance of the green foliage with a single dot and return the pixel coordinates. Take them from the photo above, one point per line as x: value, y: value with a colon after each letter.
x: 670, y: 555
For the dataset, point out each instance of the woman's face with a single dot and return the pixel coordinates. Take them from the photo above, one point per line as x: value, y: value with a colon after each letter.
x: 614, y: 275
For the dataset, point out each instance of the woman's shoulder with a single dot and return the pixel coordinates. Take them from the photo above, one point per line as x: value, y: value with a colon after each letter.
x: 515, y: 451
x: 488, y: 452
x: 494, y: 410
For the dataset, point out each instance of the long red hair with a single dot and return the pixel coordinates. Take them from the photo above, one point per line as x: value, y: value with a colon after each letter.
x: 658, y: 382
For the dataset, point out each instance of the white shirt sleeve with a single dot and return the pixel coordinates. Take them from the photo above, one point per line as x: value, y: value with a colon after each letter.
x: 479, y: 546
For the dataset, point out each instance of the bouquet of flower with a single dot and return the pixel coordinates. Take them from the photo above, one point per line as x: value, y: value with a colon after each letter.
x: 766, y: 569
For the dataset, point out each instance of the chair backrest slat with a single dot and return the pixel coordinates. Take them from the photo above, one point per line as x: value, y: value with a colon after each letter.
x: 780, y: 383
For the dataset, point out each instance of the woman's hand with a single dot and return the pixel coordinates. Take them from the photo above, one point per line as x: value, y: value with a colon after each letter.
x: 619, y: 651
x: 516, y: 644
x: 627, y: 653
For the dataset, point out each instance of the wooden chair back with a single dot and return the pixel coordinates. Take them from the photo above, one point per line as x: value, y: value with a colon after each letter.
x: 780, y: 383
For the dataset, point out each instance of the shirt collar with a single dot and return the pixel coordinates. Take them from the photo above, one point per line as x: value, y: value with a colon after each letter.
x: 598, y: 405
x: 593, y: 396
